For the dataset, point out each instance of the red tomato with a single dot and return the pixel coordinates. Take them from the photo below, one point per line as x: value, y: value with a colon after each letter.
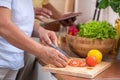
x: 91, y: 61
x: 75, y: 62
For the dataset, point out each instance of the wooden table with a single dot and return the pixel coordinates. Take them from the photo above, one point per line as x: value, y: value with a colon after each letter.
x: 112, y: 73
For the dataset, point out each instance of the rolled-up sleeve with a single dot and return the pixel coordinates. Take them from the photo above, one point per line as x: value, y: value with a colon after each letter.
x: 6, y: 3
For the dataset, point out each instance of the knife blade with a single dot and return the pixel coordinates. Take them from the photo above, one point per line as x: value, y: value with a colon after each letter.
x: 59, y: 49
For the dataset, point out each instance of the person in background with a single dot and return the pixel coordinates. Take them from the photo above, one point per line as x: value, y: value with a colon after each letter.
x: 43, y: 8
x: 17, y: 26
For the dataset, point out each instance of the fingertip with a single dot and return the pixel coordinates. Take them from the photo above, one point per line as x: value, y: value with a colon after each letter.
x: 51, y: 13
x: 65, y: 64
x: 66, y: 61
x: 49, y: 42
x: 47, y: 16
x: 60, y: 65
x: 55, y: 43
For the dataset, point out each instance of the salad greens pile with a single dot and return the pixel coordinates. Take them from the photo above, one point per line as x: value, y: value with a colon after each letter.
x: 97, y: 30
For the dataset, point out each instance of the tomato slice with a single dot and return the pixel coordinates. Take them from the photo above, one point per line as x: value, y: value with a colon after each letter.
x: 75, y: 62
x: 83, y: 64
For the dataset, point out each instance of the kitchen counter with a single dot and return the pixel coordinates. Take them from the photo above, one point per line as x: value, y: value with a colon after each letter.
x: 112, y: 73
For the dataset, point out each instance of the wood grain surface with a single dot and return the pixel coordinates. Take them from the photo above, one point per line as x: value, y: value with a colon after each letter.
x: 86, y: 72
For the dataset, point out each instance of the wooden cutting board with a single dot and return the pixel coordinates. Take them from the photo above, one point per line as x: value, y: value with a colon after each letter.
x: 86, y: 72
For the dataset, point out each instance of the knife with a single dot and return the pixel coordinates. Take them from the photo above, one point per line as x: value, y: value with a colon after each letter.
x: 59, y: 49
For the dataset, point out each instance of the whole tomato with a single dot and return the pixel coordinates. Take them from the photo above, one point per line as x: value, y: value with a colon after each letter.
x: 91, y: 61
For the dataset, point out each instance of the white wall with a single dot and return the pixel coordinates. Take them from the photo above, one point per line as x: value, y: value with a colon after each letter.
x: 63, y: 5
x: 87, y: 8
x: 109, y: 15
x: 59, y: 4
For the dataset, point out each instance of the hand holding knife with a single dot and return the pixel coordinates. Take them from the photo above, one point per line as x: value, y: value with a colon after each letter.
x: 59, y: 49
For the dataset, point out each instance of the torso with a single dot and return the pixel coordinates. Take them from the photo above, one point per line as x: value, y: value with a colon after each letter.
x: 23, y: 17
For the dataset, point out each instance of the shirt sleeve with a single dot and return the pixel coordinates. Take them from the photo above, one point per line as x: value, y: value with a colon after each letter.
x: 6, y: 3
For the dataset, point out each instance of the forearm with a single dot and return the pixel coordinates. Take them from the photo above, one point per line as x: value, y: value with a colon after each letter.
x: 36, y: 30
x: 17, y: 38
x: 56, y: 14
x: 10, y: 32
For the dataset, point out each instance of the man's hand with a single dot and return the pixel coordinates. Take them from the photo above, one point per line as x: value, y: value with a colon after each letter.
x: 47, y: 37
x: 49, y: 11
x: 68, y: 19
x: 42, y: 12
x: 52, y: 56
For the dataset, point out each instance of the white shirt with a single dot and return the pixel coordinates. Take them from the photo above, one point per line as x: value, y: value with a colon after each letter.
x: 23, y: 17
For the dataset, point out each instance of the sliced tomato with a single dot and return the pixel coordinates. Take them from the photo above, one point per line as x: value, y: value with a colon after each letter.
x: 91, y: 61
x: 83, y: 64
x: 75, y: 62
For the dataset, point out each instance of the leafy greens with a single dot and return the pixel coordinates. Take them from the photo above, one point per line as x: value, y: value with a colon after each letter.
x: 97, y: 30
